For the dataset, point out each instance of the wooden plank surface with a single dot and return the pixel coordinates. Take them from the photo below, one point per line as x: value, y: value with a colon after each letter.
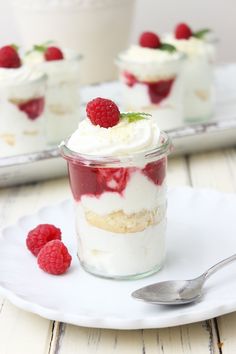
x: 218, y: 170
x: 33, y: 334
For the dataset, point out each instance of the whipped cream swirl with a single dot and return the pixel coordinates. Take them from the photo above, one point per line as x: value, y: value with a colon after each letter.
x: 16, y: 76
x: 192, y: 46
x: 140, y: 54
x: 122, y: 139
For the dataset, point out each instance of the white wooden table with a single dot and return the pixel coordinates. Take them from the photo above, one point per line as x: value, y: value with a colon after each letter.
x: 26, y: 333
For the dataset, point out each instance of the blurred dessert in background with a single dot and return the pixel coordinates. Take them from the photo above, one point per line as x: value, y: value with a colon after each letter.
x: 62, y: 94
x: 22, y: 97
x: 91, y: 27
x: 117, y: 168
x: 199, y: 47
x: 150, y: 75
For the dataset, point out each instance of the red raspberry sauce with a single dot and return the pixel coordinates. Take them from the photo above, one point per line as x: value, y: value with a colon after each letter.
x: 157, y: 91
x: 32, y: 108
x: 93, y: 181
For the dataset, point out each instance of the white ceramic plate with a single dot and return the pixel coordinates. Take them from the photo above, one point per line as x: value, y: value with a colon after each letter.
x: 201, y: 231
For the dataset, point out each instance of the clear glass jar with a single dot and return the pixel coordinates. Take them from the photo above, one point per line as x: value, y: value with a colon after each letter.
x: 155, y: 87
x: 22, y: 103
x: 62, y: 97
x: 199, y: 85
x: 120, y: 210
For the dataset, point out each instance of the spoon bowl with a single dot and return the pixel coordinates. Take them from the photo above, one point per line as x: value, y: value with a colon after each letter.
x: 178, y: 292
x: 172, y: 292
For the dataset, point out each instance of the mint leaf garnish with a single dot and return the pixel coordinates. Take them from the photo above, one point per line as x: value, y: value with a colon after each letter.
x: 201, y: 33
x: 15, y: 46
x: 39, y: 47
x: 168, y: 47
x: 134, y: 116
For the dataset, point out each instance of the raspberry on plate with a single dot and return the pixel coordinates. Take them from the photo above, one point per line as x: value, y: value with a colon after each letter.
x: 9, y: 58
x: 183, y: 31
x: 54, y: 258
x: 103, y: 112
x: 53, y: 53
x: 149, y: 40
x: 40, y: 235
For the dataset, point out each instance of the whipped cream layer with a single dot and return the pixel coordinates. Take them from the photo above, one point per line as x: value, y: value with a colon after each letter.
x: 111, y: 254
x: 122, y: 139
x: 192, y: 46
x: 140, y: 54
x: 16, y: 76
x: 132, y: 200
x: 149, y: 64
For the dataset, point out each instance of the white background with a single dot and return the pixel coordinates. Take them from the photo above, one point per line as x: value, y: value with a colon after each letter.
x: 162, y: 15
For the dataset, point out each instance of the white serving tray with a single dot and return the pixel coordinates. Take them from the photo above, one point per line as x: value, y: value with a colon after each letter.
x: 201, y: 231
x: 219, y: 132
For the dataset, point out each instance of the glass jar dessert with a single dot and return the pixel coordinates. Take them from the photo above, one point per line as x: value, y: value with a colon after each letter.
x: 198, y: 71
x: 62, y: 104
x: 22, y: 98
x: 118, y: 180
x: 152, y: 82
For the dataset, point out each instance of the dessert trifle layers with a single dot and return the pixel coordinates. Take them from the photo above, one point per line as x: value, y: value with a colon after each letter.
x: 199, y: 48
x: 22, y: 97
x: 151, y: 80
x: 62, y: 104
x: 117, y: 169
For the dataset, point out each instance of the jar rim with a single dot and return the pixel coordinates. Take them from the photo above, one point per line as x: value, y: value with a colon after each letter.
x: 163, y: 149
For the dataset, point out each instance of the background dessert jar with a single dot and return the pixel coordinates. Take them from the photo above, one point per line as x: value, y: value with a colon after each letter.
x: 199, y: 48
x: 151, y: 80
x: 118, y: 181
x: 63, y: 99
x: 22, y: 100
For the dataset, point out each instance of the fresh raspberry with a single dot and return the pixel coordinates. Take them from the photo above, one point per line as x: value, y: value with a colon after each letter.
x: 156, y: 171
x: 103, y: 112
x: 9, y: 57
x: 53, y: 53
x: 183, y: 31
x: 54, y: 258
x: 149, y: 40
x: 33, y: 108
x: 40, y: 235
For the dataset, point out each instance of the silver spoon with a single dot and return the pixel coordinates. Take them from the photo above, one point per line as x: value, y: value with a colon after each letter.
x: 178, y: 292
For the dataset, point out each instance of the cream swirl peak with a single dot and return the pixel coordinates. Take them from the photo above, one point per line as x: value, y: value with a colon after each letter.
x: 107, y: 132
x: 121, y: 139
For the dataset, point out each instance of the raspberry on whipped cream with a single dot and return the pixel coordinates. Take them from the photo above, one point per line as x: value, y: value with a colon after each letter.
x: 183, y: 31
x: 53, y: 53
x: 149, y: 40
x: 9, y: 57
x: 117, y: 177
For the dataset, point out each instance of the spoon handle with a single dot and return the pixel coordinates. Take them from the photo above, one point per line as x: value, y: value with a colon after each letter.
x: 219, y: 265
